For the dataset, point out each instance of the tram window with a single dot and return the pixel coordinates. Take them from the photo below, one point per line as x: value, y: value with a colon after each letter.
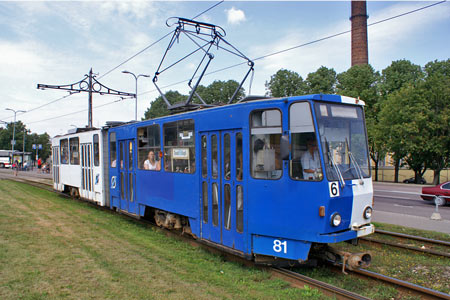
x: 215, y: 204
x: 121, y: 155
x: 305, y: 163
x: 149, y: 152
x: 64, y: 146
x: 266, y: 132
x: 239, y: 157
x: 239, y: 209
x: 204, y: 157
x: 112, y: 149
x: 214, y: 158
x: 227, y: 212
x: 130, y: 187
x: 74, y: 151
x: 205, y: 201
x: 227, y: 156
x: 179, y: 146
x: 130, y: 156
x: 96, y: 151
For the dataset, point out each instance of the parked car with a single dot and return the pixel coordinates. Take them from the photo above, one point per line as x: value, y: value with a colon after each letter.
x: 441, y: 190
x: 413, y: 180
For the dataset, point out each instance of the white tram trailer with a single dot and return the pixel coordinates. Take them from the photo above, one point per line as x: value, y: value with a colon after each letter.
x: 78, y: 166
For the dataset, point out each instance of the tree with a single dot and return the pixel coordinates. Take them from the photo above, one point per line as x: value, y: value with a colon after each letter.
x: 437, y: 92
x: 220, y: 92
x: 158, y: 107
x: 322, y: 81
x: 285, y: 83
x: 361, y: 81
x: 399, y: 74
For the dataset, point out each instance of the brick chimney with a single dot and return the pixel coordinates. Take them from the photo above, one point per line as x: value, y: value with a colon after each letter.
x: 359, y: 18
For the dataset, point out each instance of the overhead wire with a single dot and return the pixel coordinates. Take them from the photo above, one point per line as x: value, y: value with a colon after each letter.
x: 80, y: 111
x: 258, y: 58
x: 220, y: 2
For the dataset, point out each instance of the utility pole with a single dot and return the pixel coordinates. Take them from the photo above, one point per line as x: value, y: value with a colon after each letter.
x: 136, y: 78
x: 90, y: 85
x: 13, y: 142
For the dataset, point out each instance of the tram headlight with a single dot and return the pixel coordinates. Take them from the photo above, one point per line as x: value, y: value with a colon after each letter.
x: 336, y: 219
x: 367, y: 212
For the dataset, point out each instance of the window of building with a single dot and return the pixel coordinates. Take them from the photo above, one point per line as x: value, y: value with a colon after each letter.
x: 149, y: 153
x: 113, y: 149
x: 64, y: 146
x: 74, y: 151
x: 179, y: 146
x: 96, y: 151
x: 266, y: 132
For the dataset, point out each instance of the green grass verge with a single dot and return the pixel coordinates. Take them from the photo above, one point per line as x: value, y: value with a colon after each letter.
x: 57, y: 248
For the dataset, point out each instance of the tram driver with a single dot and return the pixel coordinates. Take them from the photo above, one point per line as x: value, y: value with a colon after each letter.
x: 311, y: 161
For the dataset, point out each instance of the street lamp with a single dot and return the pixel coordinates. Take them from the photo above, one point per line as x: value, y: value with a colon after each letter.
x: 14, y: 129
x: 136, y: 78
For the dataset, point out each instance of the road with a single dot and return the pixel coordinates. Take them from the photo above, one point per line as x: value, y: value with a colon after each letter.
x: 400, y: 204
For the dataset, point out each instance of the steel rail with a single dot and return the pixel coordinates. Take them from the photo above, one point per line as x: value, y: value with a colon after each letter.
x: 328, y: 289
x: 413, y: 237
x: 424, y: 292
x: 393, y: 244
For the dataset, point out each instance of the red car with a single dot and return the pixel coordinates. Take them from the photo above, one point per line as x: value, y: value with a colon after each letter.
x: 440, y: 190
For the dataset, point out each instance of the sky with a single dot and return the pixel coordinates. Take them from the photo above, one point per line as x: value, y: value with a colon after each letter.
x: 58, y: 42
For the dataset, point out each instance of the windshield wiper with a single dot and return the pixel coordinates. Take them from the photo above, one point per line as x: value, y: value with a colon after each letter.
x: 355, y: 163
x: 335, y: 167
x: 358, y: 168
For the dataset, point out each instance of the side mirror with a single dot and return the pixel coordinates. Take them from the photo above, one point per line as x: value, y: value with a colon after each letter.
x: 284, y: 147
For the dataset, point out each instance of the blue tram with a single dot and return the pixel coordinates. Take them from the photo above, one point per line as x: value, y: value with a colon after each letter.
x: 264, y: 179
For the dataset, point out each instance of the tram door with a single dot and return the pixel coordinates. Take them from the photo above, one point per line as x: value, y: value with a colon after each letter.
x: 87, y: 185
x: 222, y: 188
x: 55, y: 173
x: 127, y: 176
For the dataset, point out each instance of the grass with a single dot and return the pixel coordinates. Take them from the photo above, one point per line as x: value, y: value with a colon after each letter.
x: 57, y: 248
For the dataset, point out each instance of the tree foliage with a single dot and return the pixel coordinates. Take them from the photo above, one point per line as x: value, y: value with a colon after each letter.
x: 158, y: 107
x: 220, y: 92
x: 285, y: 83
x: 398, y: 74
x: 21, y: 132
x: 322, y: 81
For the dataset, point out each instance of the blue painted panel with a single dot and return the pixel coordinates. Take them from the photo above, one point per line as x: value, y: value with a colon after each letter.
x: 285, y: 248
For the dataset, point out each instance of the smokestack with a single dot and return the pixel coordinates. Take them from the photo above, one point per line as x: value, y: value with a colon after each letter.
x: 359, y: 18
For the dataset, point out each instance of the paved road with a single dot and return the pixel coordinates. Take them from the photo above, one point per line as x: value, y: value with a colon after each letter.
x: 400, y: 204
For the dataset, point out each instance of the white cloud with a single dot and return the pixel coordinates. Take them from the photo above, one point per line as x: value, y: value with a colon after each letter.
x: 235, y: 16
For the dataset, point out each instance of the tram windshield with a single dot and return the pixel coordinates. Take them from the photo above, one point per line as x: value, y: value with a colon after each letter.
x: 344, y: 141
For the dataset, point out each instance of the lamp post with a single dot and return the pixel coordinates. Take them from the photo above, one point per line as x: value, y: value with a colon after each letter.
x: 13, y: 142
x: 136, y: 95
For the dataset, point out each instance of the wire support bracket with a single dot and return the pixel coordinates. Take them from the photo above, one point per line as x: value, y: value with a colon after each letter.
x: 90, y: 85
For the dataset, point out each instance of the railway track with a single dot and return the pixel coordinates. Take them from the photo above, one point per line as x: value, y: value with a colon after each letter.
x: 401, y: 285
x: 295, y: 279
x: 423, y: 249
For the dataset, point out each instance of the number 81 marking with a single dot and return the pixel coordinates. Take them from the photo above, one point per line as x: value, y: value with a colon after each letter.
x: 277, y: 246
